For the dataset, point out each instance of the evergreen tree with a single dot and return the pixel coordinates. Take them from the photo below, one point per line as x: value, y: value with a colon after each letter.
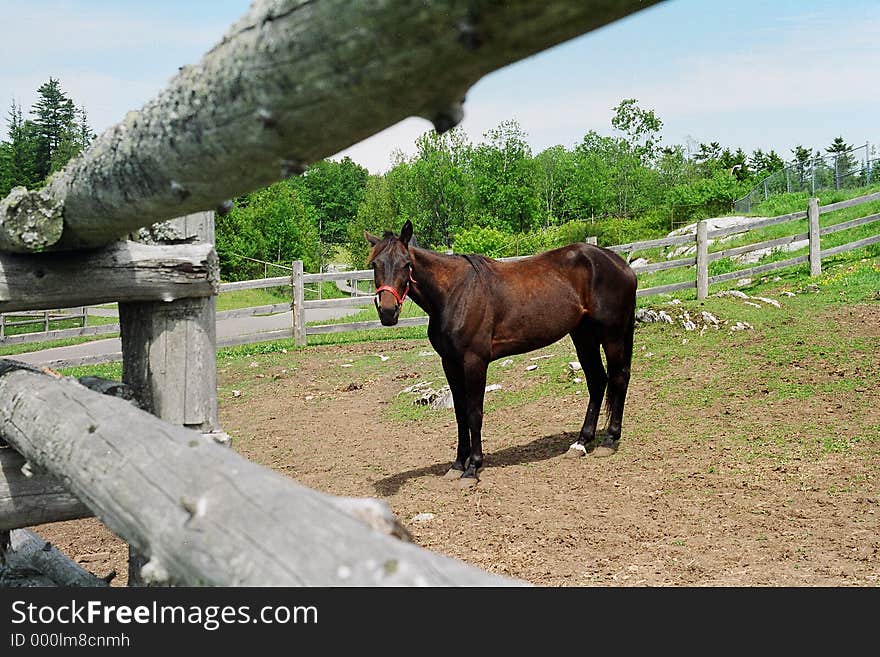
x: 843, y: 162
x: 18, y: 156
x: 55, y: 119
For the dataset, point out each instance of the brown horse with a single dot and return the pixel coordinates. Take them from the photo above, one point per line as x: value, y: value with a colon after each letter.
x: 481, y: 310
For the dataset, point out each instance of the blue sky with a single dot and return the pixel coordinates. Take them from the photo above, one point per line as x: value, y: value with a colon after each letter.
x: 745, y: 73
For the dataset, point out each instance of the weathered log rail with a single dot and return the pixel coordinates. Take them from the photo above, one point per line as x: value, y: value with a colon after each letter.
x: 292, y: 82
x: 203, y: 514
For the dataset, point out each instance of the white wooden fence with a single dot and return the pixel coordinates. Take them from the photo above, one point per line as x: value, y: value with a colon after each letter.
x: 252, y: 111
x: 700, y: 240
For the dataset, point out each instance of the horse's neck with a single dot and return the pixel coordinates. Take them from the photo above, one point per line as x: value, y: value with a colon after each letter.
x: 435, y: 275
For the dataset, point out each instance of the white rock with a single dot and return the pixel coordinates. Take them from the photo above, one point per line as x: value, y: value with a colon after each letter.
x: 574, y: 366
x: 577, y: 380
x: 742, y: 282
x: 739, y: 294
x: 664, y: 317
x: 752, y: 303
x: 493, y: 387
x: 786, y: 293
x: 346, y: 365
x: 506, y: 362
x: 383, y: 358
x: 540, y: 357
x: 422, y: 517
x: 424, y: 354
x: 531, y: 367
x: 444, y: 400
x: 673, y: 302
x: 254, y: 364
x: 709, y: 318
x: 772, y: 302
x: 236, y: 393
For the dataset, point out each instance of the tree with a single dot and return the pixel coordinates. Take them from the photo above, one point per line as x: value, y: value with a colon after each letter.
x: 554, y: 174
x: 55, y: 118
x: 844, y: 162
x: 504, y: 178
x: 440, y: 183
x: 335, y: 190
x: 18, y: 156
x: 275, y: 224
x: 641, y: 128
x: 375, y: 214
x: 802, y: 158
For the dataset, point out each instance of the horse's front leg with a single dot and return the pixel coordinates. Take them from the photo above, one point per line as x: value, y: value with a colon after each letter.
x: 475, y: 391
x: 455, y: 378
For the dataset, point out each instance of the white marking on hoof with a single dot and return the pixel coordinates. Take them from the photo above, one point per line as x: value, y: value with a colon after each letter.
x: 578, y: 447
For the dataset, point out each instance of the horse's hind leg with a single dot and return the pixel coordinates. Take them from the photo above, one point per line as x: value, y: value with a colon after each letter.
x: 587, y: 345
x: 618, y: 355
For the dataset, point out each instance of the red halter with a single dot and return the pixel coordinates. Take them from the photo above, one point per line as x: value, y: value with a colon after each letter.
x: 387, y: 288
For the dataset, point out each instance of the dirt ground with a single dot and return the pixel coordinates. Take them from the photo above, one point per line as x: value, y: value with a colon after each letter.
x: 689, y: 499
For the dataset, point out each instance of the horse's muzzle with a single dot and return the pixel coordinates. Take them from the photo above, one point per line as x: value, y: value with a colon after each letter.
x: 388, y: 309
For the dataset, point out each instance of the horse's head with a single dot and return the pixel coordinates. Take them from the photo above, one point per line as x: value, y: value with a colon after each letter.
x: 392, y: 271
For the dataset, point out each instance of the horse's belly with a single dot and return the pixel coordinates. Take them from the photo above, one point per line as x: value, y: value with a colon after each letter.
x: 517, y: 335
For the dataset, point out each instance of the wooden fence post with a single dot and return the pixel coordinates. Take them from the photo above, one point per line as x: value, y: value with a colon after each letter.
x: 702, y: 260
x: 815, y: 243
x: 297, y: 307
x: 169, y: 352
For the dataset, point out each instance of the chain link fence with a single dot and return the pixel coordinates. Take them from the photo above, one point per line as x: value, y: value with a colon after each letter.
x: 858, y: 167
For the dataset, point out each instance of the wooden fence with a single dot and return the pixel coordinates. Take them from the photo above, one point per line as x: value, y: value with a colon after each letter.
x: 700, y: 240
x: 251, y: 112
x: 44, y: 317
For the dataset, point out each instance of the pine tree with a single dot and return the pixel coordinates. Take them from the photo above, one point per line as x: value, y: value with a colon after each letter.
x: 844, y: 162
x: 18, y: 165
x: 55, y: 117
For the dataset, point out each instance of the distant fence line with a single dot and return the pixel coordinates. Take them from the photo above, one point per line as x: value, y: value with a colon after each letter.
x: 300, y: 331
x: 854, y: 168
x: 700, y: 260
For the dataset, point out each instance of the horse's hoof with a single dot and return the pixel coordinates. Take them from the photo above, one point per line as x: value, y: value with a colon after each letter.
x: 453, y: 474
x: 607, y: 448
x: 576, y: 451
x: 467, y: 482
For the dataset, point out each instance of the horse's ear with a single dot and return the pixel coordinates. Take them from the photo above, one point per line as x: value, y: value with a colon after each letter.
x: 372, y: 239
x: 406, y: 232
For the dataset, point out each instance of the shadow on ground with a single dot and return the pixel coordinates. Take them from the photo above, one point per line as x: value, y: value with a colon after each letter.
x: 540, y: 449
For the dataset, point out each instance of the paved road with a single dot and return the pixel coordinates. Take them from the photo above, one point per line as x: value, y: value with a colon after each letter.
x: 238, y: 326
